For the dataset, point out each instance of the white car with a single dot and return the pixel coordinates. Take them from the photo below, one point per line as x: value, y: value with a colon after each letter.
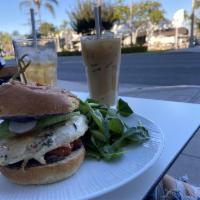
x: 2, y: 62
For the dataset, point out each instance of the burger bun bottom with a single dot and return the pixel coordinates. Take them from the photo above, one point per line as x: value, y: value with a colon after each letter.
x: 48, y: 173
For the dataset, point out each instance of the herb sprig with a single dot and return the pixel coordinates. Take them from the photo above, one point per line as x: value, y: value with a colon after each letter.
x: 108, y: 133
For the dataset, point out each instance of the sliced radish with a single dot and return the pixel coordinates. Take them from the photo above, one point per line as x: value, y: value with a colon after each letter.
x: 22, y: 127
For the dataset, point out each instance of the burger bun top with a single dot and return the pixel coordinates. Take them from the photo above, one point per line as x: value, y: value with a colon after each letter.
x: 18, y: 100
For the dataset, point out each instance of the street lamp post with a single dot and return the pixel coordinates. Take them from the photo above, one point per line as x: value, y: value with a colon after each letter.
x: 192, y: 25
x: 131, y: 22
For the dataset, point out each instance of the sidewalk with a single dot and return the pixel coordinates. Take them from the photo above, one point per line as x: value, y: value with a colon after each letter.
x: 195, y: 49
x: 188, y: 163
x: 183, y: 93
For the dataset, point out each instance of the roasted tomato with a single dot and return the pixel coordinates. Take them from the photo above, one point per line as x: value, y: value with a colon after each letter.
x: 60, y: 151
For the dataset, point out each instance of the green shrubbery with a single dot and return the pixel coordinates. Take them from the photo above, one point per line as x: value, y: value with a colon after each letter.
x: 134, y: 49
x: 69, y: 53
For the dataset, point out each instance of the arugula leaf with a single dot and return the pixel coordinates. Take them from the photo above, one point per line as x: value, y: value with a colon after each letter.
x: 110, y: 154
x: 98, y: 135
x: 112, y: 112
x: 113, y: 156
x: 93, y: 154
x: 123, y: 108
x: 116, y: 126
x: 120, y: 142
x: 106, y: 128
x: 103, y: 111
x: 92, y: 101
x: 84, y: 107
x: 97, y: 117
x: 133, y: 135
x: 137, y: 134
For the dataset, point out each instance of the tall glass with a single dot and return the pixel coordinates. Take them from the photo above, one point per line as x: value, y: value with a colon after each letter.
x: 43, y: 57
x: 102, y: 57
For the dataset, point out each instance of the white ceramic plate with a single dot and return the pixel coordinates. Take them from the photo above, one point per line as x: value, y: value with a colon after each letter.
x: 95, y: 178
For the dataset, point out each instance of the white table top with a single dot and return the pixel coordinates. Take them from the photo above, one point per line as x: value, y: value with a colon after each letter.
x: 178, y: 121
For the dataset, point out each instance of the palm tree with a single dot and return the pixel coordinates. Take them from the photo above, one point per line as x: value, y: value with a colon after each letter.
x: 37, y: 4
x: 195, y: 5
x: 192, y: 24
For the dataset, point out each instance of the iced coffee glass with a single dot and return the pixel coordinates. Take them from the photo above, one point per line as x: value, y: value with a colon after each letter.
x: 102, y: 57
x: 43, y: 57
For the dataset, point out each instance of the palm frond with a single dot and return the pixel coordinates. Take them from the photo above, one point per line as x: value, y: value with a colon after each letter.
x: 25, y: 4
x: 82, y: 16
x: 50, y: 8
x: 53, y: 1
x: 37, y: 3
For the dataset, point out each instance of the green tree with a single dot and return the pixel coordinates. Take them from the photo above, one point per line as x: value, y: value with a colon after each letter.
x: 46, y: 28
x: 147, y: 11
x: 140, y: 12
x: 15, y: 34
x: 122, y: 11
x: 38, y: 4
x: 196, y: 4
x: 146, y: 15
x: 82, y: 17
x: 64, y: 25
x: 6, y: 42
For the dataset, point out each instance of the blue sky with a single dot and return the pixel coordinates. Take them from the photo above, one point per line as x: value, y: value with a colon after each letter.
x: 12, y: 18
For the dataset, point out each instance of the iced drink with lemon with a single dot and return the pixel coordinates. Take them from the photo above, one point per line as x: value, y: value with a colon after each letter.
x: 43, y: 67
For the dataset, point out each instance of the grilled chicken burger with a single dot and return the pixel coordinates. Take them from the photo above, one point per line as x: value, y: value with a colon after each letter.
x: 39, y: 133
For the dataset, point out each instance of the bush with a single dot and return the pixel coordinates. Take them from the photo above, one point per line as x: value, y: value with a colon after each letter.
x: 69, y: 53
x: 134, y: 49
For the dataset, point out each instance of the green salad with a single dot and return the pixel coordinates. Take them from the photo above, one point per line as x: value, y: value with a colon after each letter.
x: 108, y: 133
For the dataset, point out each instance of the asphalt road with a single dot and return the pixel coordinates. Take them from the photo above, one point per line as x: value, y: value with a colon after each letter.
x: 160, y: 69
x: 143, y: 69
